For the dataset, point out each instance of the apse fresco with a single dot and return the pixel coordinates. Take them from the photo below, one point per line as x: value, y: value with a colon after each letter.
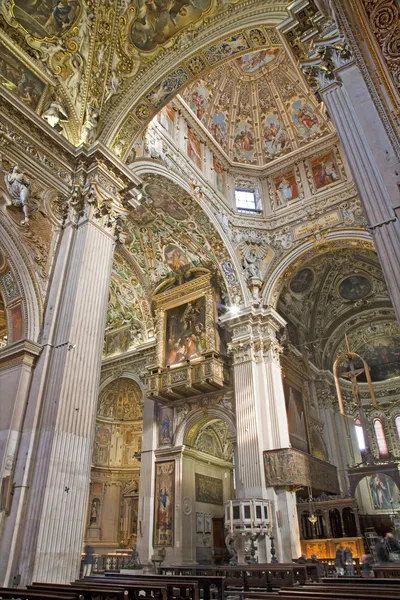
x: 244, y: 143
x: 158, y: 21
x: 198, y: 100
x: 164, y: 505
x: 249, y: 63
x: 194, y: 148
x: 275, y: 134
x: 46, y: 18
x: 324, y: 170
x: 302, y: 281
x: 219, y: 128
x: 165, y: 202
x: 382, y: 357
x: 304, y: 118
x: 19, y: 80
x: 286, y: 187
x: 185, y: 336
x: 384, y: 492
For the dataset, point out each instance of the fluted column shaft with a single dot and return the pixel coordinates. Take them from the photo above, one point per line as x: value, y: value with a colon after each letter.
x: 52, y: 474
x: 375, y: 180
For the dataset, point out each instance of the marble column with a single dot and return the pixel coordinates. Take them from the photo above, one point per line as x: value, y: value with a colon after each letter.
x: 261, y: 418
x: 364, y: 141
x: 48, y: 515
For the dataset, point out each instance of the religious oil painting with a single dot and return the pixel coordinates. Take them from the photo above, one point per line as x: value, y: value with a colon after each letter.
x: 384, y: 492
x: 275, y: 135
x: 301, y: 281
x: 19, y: 80
x: 185, y: 332
x: 244, y: 144
x: 219, y: 128
x: 304, y: 118
x: 296, y: 417
x: 324, y: 170
x: 249, y: 63
x: 163, y: 201
x: 383, y: 358
x: 220, y: 176
x: 164, y: 504
x: 166, y: 419
x: 209, y: 489
x: 46, y: 18
x: 158, y: 20
x: 198, y: 100
x: 166, y: 118
x: 355, y: 287
x: 286, y: 187
x: 194, y: 148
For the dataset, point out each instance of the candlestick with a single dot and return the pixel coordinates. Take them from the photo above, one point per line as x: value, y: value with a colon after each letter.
x: 251, y: 516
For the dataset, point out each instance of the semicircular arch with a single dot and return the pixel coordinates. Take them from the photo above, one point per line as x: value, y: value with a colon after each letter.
x: 197, y: 415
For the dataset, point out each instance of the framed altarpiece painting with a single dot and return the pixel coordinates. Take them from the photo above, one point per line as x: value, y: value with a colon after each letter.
x: 188, y: 346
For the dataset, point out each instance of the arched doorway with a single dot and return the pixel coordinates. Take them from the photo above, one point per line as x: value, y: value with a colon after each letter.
x: 208, y: 482
x: 114, y: 491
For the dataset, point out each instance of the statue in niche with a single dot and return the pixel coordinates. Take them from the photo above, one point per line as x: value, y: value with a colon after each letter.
x: 17, y: 185
x: 94, y: 512
x: 252, y: 264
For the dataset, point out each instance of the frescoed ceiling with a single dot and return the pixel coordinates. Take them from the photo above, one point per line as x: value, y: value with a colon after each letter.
x: 255, y: 108
x: 102, y: 68
x: 343, y: 293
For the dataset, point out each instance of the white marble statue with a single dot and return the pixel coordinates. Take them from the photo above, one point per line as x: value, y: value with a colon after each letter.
x: 55, y: 115
x: 18, y: 189
x: 252, y: 264
x: 113, y: 85
x: 89, y: 129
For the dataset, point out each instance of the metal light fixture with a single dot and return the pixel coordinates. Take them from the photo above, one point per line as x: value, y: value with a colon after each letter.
x: 312, y: 518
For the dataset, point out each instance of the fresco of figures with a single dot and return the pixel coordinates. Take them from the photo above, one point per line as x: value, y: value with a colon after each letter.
x: 46, y: 18
x: 275, y: 135
x: 244, y: 143
x: 219, y: 128
x: 198, y: 100
x: 286, y: 187
x: 253, y: 62
x: 165, y: 202
x: 304, y: 118
x: 19, y: 80
x: 157, y: 22
x: 194, y: 149
x: 185, y: 332
x: 324, y: 170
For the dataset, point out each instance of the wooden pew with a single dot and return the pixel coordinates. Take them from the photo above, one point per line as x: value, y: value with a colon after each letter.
x: 86, y: 590
x: 361, y: 580
x: 387, y: 571
x: 33, y: 595
x: 188, y: 589
x: 209, y: 586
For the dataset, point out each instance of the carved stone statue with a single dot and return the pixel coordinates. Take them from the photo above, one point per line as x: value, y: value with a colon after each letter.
x: 89, y: 129
x: 251, y: 264
x: 18, y: 189
x: 54, y: 115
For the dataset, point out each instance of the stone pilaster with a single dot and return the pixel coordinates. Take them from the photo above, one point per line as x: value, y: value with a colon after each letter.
x: 48, y: 512
x: 144, y: 541
x: 261, y: 418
